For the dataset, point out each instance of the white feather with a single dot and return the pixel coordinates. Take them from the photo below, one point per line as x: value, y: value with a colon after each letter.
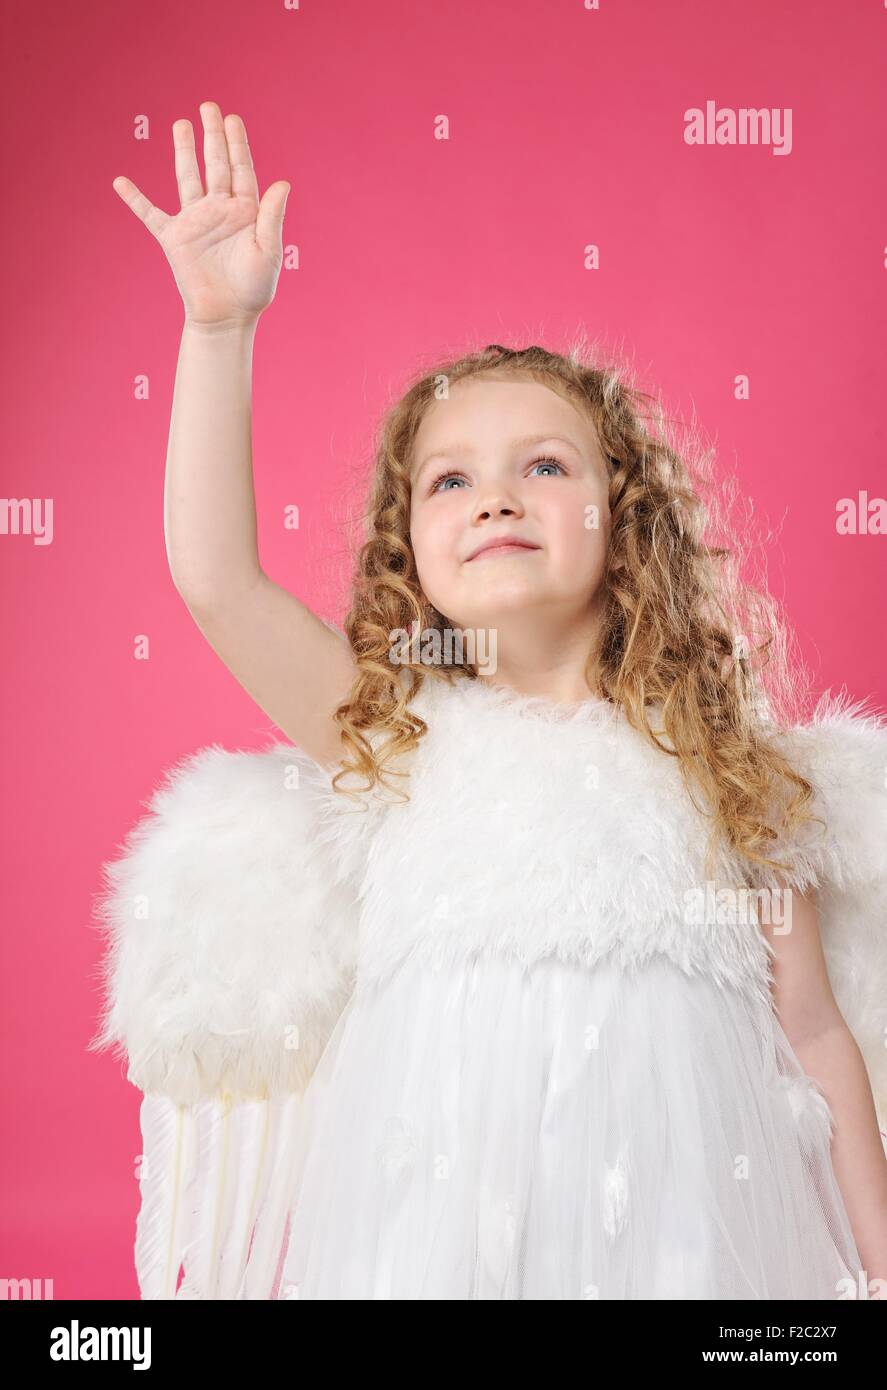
x: 233, y: 939
x: 843, y: 752
x: 160, y: 1225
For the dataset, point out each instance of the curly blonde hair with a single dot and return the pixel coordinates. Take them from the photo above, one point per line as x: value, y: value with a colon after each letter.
x: 679, y: 628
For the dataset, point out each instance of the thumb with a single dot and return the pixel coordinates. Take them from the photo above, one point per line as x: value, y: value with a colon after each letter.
x: 269, y: 219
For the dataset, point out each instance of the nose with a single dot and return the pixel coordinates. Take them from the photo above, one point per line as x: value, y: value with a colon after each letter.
x: 497, y: 501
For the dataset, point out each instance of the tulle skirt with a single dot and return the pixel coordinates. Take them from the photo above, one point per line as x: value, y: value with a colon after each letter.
x: 501, y: 1131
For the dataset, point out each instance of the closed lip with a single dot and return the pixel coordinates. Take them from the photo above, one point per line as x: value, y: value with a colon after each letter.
x: 500, y: 541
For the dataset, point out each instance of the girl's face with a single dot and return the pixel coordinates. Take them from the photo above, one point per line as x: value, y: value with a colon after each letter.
x: 510, y: 457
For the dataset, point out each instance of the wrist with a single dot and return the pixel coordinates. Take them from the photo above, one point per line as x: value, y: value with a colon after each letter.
x: 245, y: 326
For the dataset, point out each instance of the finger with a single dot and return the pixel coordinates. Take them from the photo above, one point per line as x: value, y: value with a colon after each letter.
x: 187, y: 168
x: 243, y: 175
x: 269, y: 220
x: 155, y: 219
x: 215, y: 149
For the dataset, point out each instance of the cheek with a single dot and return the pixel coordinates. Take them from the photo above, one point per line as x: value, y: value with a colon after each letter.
x: 434, y: 537
x: 578, y: 532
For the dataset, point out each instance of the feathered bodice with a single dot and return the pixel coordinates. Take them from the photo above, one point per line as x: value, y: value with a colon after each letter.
x: 534, y: 829
x: 251, y: 903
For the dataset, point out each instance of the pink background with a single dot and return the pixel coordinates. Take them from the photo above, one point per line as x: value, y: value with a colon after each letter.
x: 565, y: 129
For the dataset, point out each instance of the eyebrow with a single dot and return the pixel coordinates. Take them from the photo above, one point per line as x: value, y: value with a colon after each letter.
x: 524, y: 442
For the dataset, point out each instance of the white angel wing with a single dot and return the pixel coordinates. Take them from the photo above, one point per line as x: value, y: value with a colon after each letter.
x: 218, y: 1181
x: 232, y: 926
x: 843, y: 752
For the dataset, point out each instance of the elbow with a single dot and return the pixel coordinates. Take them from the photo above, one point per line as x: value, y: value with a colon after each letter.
x: 814, y: 1026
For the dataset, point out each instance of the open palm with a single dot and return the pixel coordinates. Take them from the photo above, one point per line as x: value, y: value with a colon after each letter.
x: 225, y: 247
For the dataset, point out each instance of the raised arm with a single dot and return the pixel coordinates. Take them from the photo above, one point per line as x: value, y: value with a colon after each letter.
x: 225, y: 250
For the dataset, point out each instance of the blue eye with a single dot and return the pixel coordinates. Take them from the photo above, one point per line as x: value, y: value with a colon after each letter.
x: 444, y: 477
x: 441, y: 479
x: 540, y: 462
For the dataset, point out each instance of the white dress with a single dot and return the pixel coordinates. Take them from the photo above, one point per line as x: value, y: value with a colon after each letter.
x: 547, y: 1082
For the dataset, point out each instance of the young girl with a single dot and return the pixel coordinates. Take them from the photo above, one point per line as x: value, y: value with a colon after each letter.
x: 555, y: 966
